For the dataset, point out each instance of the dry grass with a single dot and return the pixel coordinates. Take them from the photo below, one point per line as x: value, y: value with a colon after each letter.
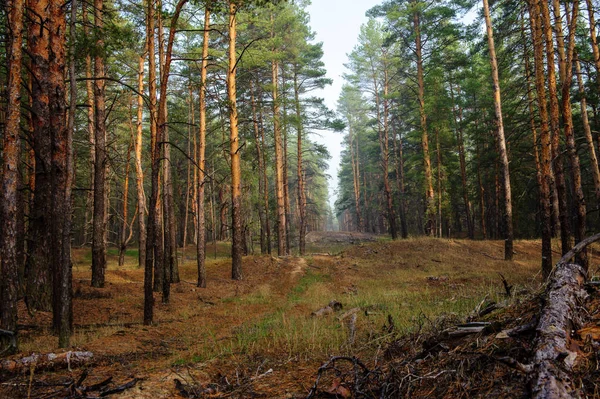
x: 265, y: 319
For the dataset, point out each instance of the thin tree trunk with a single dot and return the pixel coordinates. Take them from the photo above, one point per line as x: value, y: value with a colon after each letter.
x: 261, y: 166
x: 188, y: 180
x: 9, y: 266
x: 429, y: 194
x: 89, y: 85
x: 355, y: 176
x: 281, y: 239
x: 300, y: 172
x: 236, y: 175
x: 139, y: 170
x: 264, y: 175
x: 201, y: 217
x: 458, y: 120
x: 152, y: 247
x: 567, y: 111
x: 588, y: 133
x: 170, y: 270
x: 399, y: 151
x: 508, y: 222
x: 559, y: 177
x: 439, y: 183
x: 546, y: 156
x: 99, y: 220
x: 124, y: 238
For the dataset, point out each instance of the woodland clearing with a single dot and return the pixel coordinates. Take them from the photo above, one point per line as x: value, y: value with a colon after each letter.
x: 256, y: 337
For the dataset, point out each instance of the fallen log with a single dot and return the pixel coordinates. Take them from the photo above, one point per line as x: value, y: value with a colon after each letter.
x: 50, y: 361
x: 553, y: 359
x: 331, y: 308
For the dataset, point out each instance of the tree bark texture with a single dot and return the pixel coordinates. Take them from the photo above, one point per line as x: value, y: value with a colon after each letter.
x: 545, y: 142
x: 10, y: 176
x: 503, y: 154
x: 201, y: 240
x: 236, y: 172
x: 99, y: 217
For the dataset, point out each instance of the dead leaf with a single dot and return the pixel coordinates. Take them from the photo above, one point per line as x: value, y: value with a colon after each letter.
x: 338, y: 389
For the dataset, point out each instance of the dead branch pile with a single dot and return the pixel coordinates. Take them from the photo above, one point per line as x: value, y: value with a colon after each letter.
x: 537, y: 347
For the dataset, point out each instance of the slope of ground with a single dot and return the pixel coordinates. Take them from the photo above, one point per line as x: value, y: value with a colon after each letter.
x: 256, y: 338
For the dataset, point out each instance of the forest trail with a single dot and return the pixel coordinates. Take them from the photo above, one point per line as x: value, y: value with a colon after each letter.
x: 242, y: 329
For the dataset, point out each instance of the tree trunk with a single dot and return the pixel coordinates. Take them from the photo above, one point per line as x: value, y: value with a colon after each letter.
x: 261, y: 166
x: 38, y: 292
x: 429, y: 194
x: 458, y: 120
x: 99, y: 220
x: 264, y: 176
x: 508, y: 222
x: 62, y: 173
x: 300, y: 171
x: 201, y: 240
x: 567, y: 111
x: 546, y: 156
x: 354, y: 155
x: 89, y: 85
x: 139, y: 170
x: 170, y: 272
x: 152, y: 247
x: 439, y: 183
x: 281, y: 239
x: 236, y: 173
x: 124, y: 225
x: 385, y: 154
x: 588, y: 133
x: 564, y: 295
x: 9, y: 266
x: 559, y: 177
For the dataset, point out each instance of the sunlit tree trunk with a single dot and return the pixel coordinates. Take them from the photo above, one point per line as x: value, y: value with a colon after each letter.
x: 281, y: 239
x: 139, y: 170
x: 559, y: 177
x: 125, y: 213
x: 507, y: 215
x: 201, y: 239
x: 588, y: 133
x: 545, y: 141
x: 566, y: 68
x: 236, y: 173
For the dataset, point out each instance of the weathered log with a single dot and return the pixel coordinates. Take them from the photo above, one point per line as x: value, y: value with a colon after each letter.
x: 553, y: 359
x: 331, y: 308
x: 50, y: 361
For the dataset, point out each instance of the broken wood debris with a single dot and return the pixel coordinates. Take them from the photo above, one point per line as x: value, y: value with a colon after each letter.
x: 553, y: 359
x: 50, y: 361
x: 332, y: 307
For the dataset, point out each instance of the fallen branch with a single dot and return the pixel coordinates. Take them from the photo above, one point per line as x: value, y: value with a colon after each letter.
x: 577, y: 249
x: 553, y: 359
x: 332, y: 307
x: 50, y: 361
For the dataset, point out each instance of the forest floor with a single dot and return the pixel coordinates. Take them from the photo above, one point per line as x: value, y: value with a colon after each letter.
x: 257, y: 338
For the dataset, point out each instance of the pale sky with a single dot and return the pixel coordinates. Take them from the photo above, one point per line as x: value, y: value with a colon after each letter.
x: 337, y: 24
